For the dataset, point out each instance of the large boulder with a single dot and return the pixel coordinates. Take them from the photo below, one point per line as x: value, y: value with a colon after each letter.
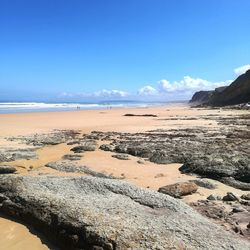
x: 97, y: 213
x: 179, y: 189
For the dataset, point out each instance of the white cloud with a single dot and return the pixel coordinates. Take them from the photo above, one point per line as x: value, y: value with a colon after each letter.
x: 166, y: 86
x: 110, y: 93
x: 188, y: 84
x: 242, y: 69
x: 98, y: 94
x: 147, y: 91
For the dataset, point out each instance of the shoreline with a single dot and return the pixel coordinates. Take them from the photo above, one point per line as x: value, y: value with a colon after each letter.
x: 88, y: 107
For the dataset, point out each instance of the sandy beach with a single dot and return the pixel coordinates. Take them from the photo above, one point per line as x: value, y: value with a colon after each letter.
x: 147, y: 174
x: 107, y: 120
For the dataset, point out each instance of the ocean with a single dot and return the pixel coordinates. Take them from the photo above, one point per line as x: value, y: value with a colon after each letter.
x: 24, y: 107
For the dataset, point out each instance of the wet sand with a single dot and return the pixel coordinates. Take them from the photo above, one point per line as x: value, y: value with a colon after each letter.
x: 17, y: 236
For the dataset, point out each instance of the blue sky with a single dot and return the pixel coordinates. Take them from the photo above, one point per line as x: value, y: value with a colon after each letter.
x: 58, y: 50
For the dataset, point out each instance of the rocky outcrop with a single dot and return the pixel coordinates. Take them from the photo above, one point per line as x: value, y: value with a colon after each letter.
x: 96, y: 213
x: 42, y: 139
x: 220, y: 153
x: 12, y: 154
x: 180, y: 189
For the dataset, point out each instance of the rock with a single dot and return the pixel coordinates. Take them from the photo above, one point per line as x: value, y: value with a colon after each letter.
x: 12, y: 154
x: 179, y: 189
x: 237, y: 229
x: 73, y: 142
x: 4, y: 169
x: 230, y: 197
x: 145, y: 115
x: 238, y: 210
x: 96, y: 213
x: 245, y: 202
x: 160, y: 157
x: 78, y: 149
x: 213, y: 197
x: 207, y: 152
x: 135, y: 150
x: 204, y: 183
x: 205, y: 166
x: 69, y: 167
x: 234, y: 220
x: 219, y: 198
x: 140, y: 162
x: 246, y: 196
x: 248, y: 225
x: 72, y: 157
x: 121, y: 156
x: 106, y: 147
x: 232, y: 174
x: 85, y: 146
x: 236, y: 183
x: 53, y: 138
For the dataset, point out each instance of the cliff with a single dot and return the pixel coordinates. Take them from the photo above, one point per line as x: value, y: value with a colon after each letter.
x: 236, y: 93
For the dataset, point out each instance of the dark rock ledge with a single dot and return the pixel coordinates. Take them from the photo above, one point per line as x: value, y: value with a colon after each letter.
x: 97, y: 213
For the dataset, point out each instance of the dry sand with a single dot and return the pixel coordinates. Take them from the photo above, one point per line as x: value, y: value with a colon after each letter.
x: 16, y: 236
